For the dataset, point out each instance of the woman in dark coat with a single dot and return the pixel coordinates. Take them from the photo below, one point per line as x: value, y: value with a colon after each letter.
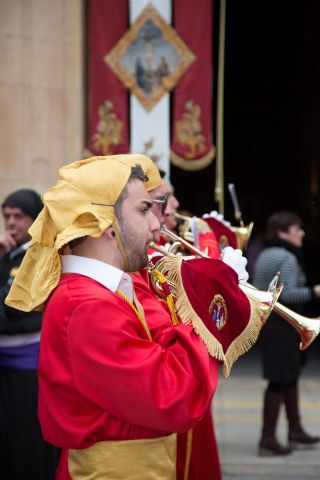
x: 281, y: 358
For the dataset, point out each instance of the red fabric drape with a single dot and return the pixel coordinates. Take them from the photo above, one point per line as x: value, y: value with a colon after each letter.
x: 192, y: 147
x: 224, y: 235
x: 207, y: 241
x: 204, y: 461
x: 107, y: 123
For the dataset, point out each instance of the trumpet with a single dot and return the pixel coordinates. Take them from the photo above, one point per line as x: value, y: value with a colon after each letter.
x: 307, y: 328
x: 242, y: 233
x: 185, y: 230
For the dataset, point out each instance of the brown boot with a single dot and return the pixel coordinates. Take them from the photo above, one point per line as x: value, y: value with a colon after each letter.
x: 298, y: 437
x: 270, y: 446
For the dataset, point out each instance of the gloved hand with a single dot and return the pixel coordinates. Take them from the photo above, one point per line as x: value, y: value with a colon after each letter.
x: 234, y: 258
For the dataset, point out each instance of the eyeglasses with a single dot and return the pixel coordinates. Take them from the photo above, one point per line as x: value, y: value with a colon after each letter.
x: 102, y: 204
x: 162, y: 203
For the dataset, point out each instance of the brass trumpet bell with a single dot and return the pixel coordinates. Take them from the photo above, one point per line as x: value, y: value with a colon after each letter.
x: 242, y: 234
x: 308, y: 328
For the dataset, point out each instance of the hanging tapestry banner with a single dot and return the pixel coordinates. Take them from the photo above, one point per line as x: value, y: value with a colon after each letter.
x: 192, y: 145
x: 146, y: 136
x: 107, y: 123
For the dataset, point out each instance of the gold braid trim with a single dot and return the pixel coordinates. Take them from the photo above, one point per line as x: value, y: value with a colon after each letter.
x: 140, y: 317
x: 185, y: 311
x: 245, y: 340
x: 193, y: 164
x: 170, y: 302
x: 188, y: 454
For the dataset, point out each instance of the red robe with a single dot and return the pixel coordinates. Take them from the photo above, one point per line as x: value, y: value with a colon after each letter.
x: 204, y: 461
x: 101, y: 378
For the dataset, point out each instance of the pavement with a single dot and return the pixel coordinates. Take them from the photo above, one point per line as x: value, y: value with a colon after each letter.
x: 237, y: 407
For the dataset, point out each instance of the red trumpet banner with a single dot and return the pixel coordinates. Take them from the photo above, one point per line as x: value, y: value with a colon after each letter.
x: 225, y: 236
x: 107, y: 105
x: 192, y: 145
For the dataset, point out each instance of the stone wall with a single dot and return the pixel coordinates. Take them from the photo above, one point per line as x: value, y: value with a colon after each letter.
x: 41, y: 91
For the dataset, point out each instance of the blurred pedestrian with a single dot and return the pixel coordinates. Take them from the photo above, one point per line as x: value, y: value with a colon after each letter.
x: 281, y: 358
x: 23, y: 452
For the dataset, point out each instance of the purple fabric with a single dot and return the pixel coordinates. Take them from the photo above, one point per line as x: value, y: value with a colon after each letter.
x: 25, y: 357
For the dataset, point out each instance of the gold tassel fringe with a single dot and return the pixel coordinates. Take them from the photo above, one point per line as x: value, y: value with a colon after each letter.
x: 245, y: 340
x: 191, y: 164
x: 186, y: 313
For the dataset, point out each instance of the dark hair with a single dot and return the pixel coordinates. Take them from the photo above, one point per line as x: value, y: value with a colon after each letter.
x: 137, y: 173
x: 281, y: 221
x: 27, y: 200
x: 77, y: 241
x: 162, y: 173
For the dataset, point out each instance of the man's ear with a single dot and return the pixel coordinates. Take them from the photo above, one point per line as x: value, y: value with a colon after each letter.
x: 109, y: 232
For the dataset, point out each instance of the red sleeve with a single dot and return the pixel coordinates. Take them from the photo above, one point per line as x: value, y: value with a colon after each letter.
x: 165, y: 384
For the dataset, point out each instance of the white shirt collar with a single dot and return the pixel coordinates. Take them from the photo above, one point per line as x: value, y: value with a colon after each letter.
x: 110, y: 277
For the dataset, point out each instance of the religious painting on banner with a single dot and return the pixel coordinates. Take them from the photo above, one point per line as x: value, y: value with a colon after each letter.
x: 147, y: 75
x: 150, y: 58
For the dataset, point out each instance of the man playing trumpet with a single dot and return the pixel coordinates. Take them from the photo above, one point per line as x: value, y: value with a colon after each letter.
x: 119, y: 377
x: 197, y: 451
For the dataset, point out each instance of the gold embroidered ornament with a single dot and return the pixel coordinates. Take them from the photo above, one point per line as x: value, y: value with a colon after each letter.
x: 189, y: 136
x: 109, y: 129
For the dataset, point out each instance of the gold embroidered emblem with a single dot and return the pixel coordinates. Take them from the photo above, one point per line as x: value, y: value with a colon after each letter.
x: 109, y: 129
x: 148, y: 146
x: 218, y: 311
x: 223, y: 242
x: 189, y: 128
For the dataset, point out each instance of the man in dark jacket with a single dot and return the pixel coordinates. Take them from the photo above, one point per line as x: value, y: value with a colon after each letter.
x: 23, y: 453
